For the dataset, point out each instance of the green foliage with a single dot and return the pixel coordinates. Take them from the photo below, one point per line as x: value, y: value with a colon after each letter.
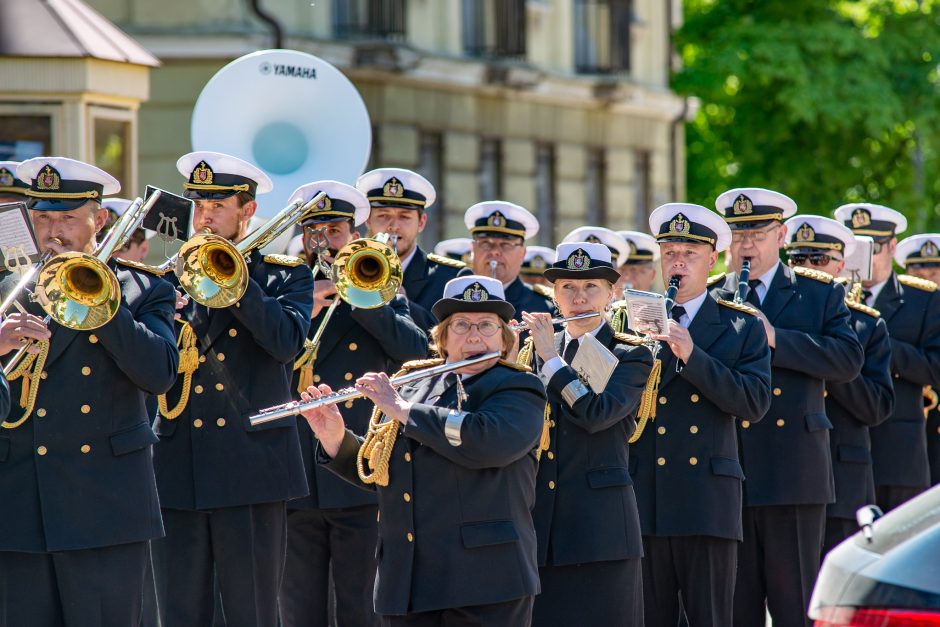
x: 826, y: 101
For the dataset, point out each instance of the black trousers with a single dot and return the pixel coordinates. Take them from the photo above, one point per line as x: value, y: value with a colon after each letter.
x: 317, y: 540
x: 777, y: 564
x: 890, y: 496
x: 515, y: 613
x: 699, y: 568
x: 597, y: 593
x: 100, y: 587
x: 243, y: 547
x: 837, y: 530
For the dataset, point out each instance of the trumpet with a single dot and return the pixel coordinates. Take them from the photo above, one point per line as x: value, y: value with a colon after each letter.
x: 524, y: 326
x: 743, y: 288
x: 295, y: 407
x: 26, y: 278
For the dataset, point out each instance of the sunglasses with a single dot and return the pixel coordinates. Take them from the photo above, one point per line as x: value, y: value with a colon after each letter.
x: 817, y: 259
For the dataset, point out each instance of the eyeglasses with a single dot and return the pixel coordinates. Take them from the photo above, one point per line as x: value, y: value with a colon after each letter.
x: 740, y: 235
x: 504, y: 247
x: 486, y: 328
x: 877, y: 247
x: 817, y: 259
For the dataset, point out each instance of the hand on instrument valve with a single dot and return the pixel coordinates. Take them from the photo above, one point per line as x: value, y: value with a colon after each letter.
x: 679, y: 340
x: 18, y: 328
x: 542, y: 332
x: 323, y: 289
x: 326, y: 422
x: 376, y: 387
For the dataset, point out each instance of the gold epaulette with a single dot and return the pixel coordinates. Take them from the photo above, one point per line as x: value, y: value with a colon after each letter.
x: 841, y: 280
x: 141, y: 266
x: 817, y: 275
x: 917, y: 283
x: 283, y: 260
x: 715, y: 278
x: 738, y: 306
x: 446, y: 261
x: 629, y: 338
x: 544, y: 291
x: 421, y: 363
x: 871, y: 311
x: 514, y: 365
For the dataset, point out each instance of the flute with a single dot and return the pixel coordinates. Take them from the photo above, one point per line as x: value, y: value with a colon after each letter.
x: 524, y: 326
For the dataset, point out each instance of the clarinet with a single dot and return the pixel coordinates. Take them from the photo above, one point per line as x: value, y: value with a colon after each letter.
x: 671, y: 292
x: 741, y: 295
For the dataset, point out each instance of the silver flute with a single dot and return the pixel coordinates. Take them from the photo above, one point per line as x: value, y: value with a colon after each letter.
x: 524, y: 326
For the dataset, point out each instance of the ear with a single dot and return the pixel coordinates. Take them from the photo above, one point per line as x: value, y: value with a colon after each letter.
x: 781, y: 236
x: 892, y: 246
x: 250, y: 208
x: 422, y: 222
x: 100, y: 215
x: 712, y: 259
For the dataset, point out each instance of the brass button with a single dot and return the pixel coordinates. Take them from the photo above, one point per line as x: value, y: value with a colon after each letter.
x: 780, y: 422
x: 551, y: 455
x: 407, y: 497
x: 694, y: 398
x: 197, y: 423
x: 238, y: 305
x: 353, y: 346
x: 348, y: 404
x: 220, y: 356
x: 220, y: 422
x: 825, y: 393
x: 407, y: 456
x: 746, y: 424
x: 661, y: 430
x: 378, y: 516
x: 86, y: 409
x: 202, y: 359
x: 662, y: 400
x: 897, y: 376
x: 411, y: 537
x: 938, y: 430
x: 661, y: 461
x: 348, y: 376
x: 551, y: 485
x: 198, y: 389
x: 43, y: 375
x: 93, y: 338
x: 693, y: 461
x: 316, y: 378
x: 86, y: 370
x: 42, y: 450
x: 232, y: 332
x: 40, y: 412
x: 85, y: 448
x: 693, y: 429
x: 219, y: 387
x: 777, y: 391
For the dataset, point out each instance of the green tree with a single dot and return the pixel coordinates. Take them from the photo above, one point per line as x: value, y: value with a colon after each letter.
x: 826, y: 101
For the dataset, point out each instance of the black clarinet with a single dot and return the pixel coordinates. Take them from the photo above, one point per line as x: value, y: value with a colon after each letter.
x: 671, y: 292
x: 741, y: 295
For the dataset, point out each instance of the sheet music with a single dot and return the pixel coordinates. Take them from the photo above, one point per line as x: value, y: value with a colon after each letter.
x: 18, y: 245
x: 646, y: 312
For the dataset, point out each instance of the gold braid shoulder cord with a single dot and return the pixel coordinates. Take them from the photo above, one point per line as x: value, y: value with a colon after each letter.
x: 34, y: 363
x: 189, y: 363
x: 647, y: 409
x: 304, y: 363
x: 524, y: 358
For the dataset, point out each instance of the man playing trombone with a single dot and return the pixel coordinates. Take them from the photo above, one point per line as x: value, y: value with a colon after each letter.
x: 76, y: 479
x: 334, y: 528
x: 224, y: 484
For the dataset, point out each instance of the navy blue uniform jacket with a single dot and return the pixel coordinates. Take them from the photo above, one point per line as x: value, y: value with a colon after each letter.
x: 424, y: 282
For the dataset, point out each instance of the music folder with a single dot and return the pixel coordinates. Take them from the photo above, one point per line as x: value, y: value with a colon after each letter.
x: 594, y: 363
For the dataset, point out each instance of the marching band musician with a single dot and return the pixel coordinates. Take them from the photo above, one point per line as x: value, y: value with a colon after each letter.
x: 334, y: 528
x: 910, y: 306
x: 638, y: 272
x: 499, y: 230
x: 400, y: 199
x: 223, y: 483
x: 919, y: 255
x: 76, y: 479
x: 786, y: 458
x: 457, y: 248
x: 12, y: 189
x: 589, y: 544
x: 536, y: 260
x: 823, y: 244
x: 456, y: 540
x: 686, y: 471
x: 137, y: 245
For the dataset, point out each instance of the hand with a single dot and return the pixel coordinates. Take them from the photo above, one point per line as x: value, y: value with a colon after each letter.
x: 769, y: 329
x: 19, y: 328
x: 542, y: 333
x: 181, y: 301
x: 376, y: 387
x: 679, y: 340
x: 322, y: 290
x: 326, y: 422
x: 55, y: 247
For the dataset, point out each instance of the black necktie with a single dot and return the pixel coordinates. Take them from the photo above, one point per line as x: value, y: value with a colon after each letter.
x: 866, y: 296
x: 440, y: 386
x: 752, y: 297
x: 677, y: 312
x: 570, y: 351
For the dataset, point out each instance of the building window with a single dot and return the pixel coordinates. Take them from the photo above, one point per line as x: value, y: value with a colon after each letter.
x: 113, y: 143
x: 431, y: 167
x: 23, y: 137
x: 642, y: 189
x: 491, y: 169
x: 494, y: 28
x: 371, y: 19
x: 602, y: 36
x: 596, y: 186
x: 545, y: 193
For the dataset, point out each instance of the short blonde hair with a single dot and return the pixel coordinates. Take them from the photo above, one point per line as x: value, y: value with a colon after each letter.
x: 440, y: 331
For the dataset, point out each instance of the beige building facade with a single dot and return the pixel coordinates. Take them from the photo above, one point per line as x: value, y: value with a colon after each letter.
x: 562, y: 106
